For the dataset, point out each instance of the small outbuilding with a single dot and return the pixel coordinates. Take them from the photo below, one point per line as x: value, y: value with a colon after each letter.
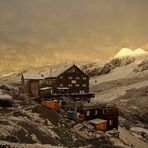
x: 102, y: 111
x: 109, y: 113
x: 30, y: 83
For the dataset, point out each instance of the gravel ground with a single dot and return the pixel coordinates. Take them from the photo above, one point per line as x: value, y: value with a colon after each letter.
x: 30, y: 123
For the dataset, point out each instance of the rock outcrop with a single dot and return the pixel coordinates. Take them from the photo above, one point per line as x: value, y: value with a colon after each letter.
x: 108, y: 67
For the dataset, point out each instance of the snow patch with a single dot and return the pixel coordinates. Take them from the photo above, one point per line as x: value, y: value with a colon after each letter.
x: 118, y: 73
x: 139, y: 129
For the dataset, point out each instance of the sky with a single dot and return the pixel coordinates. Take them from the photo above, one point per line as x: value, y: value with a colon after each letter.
x: 39, y: 32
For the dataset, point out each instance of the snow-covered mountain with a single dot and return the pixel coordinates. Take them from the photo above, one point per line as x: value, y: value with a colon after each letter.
x: 134, y: 60
x: 123, y: 58
x: 110, y: 65
x: 124, y: 52
x: 124, y: 62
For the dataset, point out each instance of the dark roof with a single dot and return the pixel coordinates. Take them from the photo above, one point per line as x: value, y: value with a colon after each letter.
x: 63, y: 69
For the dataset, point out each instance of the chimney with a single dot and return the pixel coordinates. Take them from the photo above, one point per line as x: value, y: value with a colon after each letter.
x: 50, y: 70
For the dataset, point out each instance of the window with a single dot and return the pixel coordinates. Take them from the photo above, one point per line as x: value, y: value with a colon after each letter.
x: 84, y: 85
x: 73, y: 81
x: 87, y: 113
x: 49, y: 82
x: 96, y: 112
x: 61, y: 77
x: 70, y: 78
x: 81, y: 91
x: 73, y: 70
x: 69, y: 85
x: 51, y: 91
x: 110, y: 122
x: 77, y: 78
x: 84, y: 78
x: 61, y: 85
x: 77, y: 85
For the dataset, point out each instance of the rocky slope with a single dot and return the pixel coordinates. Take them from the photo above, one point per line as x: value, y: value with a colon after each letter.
x: 107, y: 67
x: 126, y: 87
x: 122, y: 81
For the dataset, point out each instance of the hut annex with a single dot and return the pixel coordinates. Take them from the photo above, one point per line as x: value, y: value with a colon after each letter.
x: 30, y: 84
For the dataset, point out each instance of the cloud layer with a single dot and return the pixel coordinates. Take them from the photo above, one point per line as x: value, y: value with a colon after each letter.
x: 37, y: 32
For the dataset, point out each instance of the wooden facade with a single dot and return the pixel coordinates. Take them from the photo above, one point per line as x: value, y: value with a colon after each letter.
x: 105, y: 112
x: 30, y: 84
x: 75, y: 80
x: 111, y: 115
x: 69, y: 81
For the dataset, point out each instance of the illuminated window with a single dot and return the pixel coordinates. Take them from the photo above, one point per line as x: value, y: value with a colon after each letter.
x: 84, y: 78
x: 77, y: 85
x: 110, y: 122
x: 69, y: 85
x: 61, y: 85
x: 84, y: 85
x: 87, y: 113
x: 81, y: 91
x: 96, y: 112
x: 69, y: 78
x: 77, y: 78
x: 73, y: 81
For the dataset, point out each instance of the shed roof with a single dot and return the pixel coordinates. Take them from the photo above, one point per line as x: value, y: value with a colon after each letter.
x: 97, y: 121
x: 45, y: 88
x: 32, y: 76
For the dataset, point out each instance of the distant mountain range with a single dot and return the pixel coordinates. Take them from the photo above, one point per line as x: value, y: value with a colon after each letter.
x: 124, y: 57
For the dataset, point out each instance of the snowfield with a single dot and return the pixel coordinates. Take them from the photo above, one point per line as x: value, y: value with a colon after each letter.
x: 118, y: 73
x: 115, y: 93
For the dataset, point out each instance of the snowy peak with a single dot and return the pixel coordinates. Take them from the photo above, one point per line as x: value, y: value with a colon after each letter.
x: 129, y: 52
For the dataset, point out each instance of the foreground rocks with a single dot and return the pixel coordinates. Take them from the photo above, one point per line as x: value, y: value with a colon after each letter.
x: 30, y: 123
